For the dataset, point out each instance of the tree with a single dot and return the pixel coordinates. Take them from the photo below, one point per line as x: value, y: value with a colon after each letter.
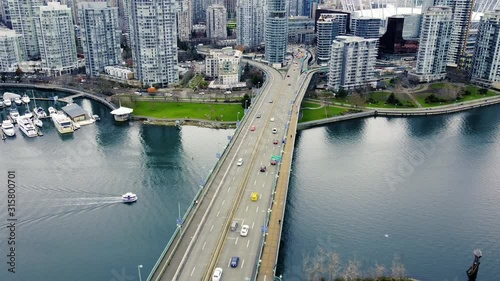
x: 246, y: 101
x: 190, y: 96
x: 378, y: 272
x: 352, y: 271
x: 393, y: 100
x: 357, y: 100
x: 467, y: 93
x: 333, y: 261
x: 483, y: 91
x: 19, y: 71
x: 4, y: 77
x: 398, y: 268
x: 341, y: 94
x: 175, y: 96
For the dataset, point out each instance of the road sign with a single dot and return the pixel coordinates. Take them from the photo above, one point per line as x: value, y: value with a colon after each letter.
x: 276, y: 157
x: 264, y: 229
x: 179, y: 221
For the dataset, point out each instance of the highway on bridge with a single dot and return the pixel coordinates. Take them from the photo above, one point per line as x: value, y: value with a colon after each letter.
x: 208, y: 242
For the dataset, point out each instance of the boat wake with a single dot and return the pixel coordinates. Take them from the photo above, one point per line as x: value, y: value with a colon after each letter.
x: 65, y: 190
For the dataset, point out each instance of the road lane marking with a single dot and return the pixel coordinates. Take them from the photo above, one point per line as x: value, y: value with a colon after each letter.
x: 263, y: 184
x: 192, y: 271
x: 236, y: 242
x: 229, y: 263
x: 212, y: 228
x: 205, y: 244
x: 234, y: 178
x: 257, y: 209
x: 255, y: 182
x: 260, y: 195
x: 228, y: 189
x: 246, y: 209
x: 224, y: 201
x: 242, y: 263
x: 264, y: 152
x: 248, y: 243
x: 218, y: 213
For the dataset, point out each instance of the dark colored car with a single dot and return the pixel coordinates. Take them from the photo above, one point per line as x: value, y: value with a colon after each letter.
x: 235, y: 261
x: 262, y: 168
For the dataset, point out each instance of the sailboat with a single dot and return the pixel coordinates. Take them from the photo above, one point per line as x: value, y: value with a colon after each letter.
x: 39, y: 112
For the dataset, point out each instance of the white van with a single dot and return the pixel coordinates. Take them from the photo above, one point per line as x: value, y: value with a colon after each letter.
x: 240, y: 162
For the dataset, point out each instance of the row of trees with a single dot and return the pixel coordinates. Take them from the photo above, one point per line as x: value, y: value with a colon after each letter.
x: 327, y: 266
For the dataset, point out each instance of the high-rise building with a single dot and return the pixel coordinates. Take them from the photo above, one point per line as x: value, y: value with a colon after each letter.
x: 352, y: 63
x: 231, y: 9
x: 216, y: 22
x: 301, y: 30
x: 485, y: 69
x: 224, y: 66
x: 366, y: 27
x: 10, y: 49
x: 153, y: 40
x: 184, y: 19
x: 276, y: 33
x: 394, y: 42
x: 328, y: 27
x: 250, y: 23
x: 435, y: 40
x: 100, y: 36
x: 56, y: 38
x: 462, y: 10
x: 22, y: 14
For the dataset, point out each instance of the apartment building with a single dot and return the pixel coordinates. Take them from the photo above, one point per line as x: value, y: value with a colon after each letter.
x: 11, y: 52
x: 216, y: 22
x: 328, y: 27
x: 276, y: 31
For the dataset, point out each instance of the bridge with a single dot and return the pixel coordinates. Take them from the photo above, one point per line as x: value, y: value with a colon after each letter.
x: 203, y: 240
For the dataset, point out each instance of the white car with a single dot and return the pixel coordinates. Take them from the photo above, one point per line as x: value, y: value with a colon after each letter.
x: 275, y: 131
x: 244, y: 230
x: 272, y: 119
x: 240, y: 162
x: 217, y: 274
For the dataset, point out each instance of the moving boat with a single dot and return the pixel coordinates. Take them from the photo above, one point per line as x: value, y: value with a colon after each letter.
x: 62, y: 122
x: 8, y: 128
x: 14, y: 114
x: 129, y: 197
x: 27, y: 127
x: 25, y: 99
x: 18, y: 101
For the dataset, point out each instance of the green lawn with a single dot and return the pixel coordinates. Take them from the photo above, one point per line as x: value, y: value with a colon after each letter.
x: 174, y: 110
x: 437, y: 86
x: 306, y: 104
x: 381, y: 98
x: 473, y: 96
x: 321, y: 113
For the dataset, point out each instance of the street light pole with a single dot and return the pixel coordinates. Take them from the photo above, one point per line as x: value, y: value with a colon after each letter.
x: 238, y: 117
x: 139, y: 270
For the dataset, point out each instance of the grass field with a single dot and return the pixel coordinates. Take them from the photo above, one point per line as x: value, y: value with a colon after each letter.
x: 312, y: 105
x: 195, y: 81
x: 381, y: 98
x: 321, y: 113
x: 473, y: 96
x: 174, y: 110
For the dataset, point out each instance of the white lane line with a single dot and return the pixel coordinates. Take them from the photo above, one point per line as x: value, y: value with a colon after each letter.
x: 263, y: 184
x: 212, y: 228
x: 228, y: 189
x: 234, y: 178
x: 224, y: 201
x: 257, y: 209
x: 264, y: 152
x: 246, y: 209
x: 260, y: 196
x: 192, y: 271
x: 248, y: 243
x: 242, y: 263
x: 229, y: 263
x: 205, y: 244
x: 255, y: 182
x: 218, y: 213
x: 265, y: 277
x: 236, y: 242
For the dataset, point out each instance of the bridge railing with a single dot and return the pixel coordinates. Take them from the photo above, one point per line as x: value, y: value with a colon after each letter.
x: 202, y: 188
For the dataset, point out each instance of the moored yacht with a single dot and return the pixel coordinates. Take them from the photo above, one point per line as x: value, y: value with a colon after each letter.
x: 25, y: 99
x: 7, y: 102
x: 26, y: 126
x: 28, y: 113
x: 52, y: 111
x: 39, y: 112
x: 129, y: 197
x: 8, y: 128
x: 18, y: 101
x: 13, y: 114
x: 62, y: 122
x: 38, y: 123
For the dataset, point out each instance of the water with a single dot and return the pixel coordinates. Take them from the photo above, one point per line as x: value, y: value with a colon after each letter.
x: 431, y: 184
x: 71, y: 222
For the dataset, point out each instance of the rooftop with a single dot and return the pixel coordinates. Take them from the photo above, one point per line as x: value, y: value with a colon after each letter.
x: 73, y: 110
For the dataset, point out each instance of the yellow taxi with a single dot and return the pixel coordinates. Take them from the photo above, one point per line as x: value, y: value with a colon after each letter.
x: 254, y: 196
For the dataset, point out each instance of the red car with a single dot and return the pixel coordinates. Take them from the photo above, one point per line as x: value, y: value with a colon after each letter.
x: 275, y: 142
x: 252, y: 128
x: 273, y: 162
